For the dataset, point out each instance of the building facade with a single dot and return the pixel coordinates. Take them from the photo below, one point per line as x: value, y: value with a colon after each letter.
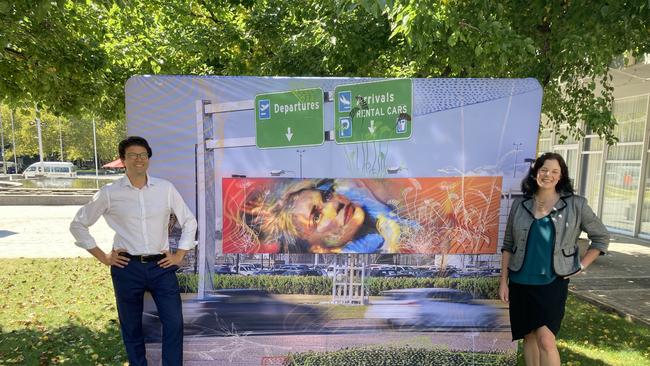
x: 615, y: 179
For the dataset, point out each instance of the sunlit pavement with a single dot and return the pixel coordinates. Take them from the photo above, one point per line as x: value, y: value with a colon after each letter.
x: 42, y: 232
x: 619, y: 281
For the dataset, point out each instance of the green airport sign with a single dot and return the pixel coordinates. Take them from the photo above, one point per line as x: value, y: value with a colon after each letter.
x: 374, y: 111
x: 287, y: 119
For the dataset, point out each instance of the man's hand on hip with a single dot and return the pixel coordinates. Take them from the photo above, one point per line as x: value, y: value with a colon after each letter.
x: 172, y: 259
x: 113, y: 258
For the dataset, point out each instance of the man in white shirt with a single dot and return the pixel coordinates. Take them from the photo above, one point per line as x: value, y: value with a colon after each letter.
x: 137, y: 207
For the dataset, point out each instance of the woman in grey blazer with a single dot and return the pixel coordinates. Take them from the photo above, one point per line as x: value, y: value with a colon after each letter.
x: 540, y: 253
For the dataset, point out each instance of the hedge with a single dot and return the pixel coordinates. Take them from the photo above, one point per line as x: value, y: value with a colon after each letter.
x: 479, y: 287
x: 402, y: 356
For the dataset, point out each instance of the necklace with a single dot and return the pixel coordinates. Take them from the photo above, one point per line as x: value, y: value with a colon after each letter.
x: 544, y: 205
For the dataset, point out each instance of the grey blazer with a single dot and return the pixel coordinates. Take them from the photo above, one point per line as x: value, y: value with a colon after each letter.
x: 571, y: 216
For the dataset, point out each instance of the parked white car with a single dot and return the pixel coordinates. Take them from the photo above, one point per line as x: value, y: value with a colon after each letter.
x: 51, y: 169
x: 245, y: 269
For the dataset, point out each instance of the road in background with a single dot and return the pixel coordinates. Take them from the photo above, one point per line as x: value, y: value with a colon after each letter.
x: 42, y: 232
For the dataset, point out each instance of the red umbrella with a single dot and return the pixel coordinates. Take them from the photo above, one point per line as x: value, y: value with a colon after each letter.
x: 114, y: 164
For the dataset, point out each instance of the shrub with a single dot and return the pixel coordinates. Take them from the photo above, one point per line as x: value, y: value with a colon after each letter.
x: 402, y: 356
x: 480, y: 288
x: 188, y: 282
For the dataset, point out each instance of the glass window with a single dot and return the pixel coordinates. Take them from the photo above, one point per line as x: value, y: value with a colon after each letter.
x: 631, y: 114
x: 645, y: 211
x: 571, y: 158
x: 625, y: 152
x: 623, y: 166
x: 564, y: 130
x: 590, y: 180
x: 593, y: 144
x: 619, y: 198
x: 545, y: 133
x: 543, y: 146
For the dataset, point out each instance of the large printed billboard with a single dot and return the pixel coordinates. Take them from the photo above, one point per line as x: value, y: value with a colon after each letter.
x: 401, y: 177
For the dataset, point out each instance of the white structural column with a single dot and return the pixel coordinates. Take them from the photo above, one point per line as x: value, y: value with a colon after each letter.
x: 61, y: 138
x: 40, y: 137
x: 206, y: 205
x: 95, y: 148
x: 2, y: 146
x: 13, y: 141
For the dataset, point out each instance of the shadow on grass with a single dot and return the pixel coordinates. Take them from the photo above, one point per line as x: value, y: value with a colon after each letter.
x: 72, y: 344
x: 587, y: 324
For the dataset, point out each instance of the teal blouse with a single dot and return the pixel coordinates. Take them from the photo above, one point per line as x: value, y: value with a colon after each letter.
x: 537, y: 268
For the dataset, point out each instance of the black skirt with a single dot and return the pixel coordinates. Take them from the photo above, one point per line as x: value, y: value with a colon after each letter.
x: 533, y: 306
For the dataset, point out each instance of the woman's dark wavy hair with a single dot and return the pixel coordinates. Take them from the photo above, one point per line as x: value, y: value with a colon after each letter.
x: 529, y: 184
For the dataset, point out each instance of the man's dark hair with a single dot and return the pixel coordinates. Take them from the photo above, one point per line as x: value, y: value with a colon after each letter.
x: 529, y: 184
x: 133, y: 141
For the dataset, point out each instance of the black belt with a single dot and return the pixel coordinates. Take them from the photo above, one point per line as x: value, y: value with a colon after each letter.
x: 143, y: 258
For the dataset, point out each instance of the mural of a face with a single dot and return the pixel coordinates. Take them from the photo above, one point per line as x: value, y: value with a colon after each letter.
x: 324, y: 218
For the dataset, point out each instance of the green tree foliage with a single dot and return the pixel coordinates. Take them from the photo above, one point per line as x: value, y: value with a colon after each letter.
x: 73, y: 57
x: 567, y: 46
x: 52, y: 54
x: 76, y: 133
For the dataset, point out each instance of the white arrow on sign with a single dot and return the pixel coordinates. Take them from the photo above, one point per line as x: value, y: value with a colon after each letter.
x: 372, y: 127
x: 289, y: 134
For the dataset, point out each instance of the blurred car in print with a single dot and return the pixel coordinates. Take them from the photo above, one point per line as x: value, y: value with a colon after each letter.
x: 223, y: 270
x: 446, y: 272
x: 230, y: 312
x: 245, y: 269
x: 432, y: 308
x: 294, y: 267
x: 401, y: 274
x: 382, y: 272
x: 269, y: 272
x: 301, y: 272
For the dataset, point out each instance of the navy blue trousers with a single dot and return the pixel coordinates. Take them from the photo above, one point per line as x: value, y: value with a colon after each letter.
x: 130, y: 284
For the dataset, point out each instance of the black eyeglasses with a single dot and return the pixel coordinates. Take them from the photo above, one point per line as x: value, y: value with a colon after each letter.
x: 134, y: 156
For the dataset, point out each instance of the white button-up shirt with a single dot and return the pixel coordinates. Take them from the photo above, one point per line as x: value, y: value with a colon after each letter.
x: 139, y: 217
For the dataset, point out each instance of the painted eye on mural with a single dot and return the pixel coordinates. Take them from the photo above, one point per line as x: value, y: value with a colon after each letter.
x: 327, y: 195
x: 315, y: 217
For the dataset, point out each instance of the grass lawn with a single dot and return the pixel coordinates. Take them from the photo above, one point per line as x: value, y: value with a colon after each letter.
x: 58, y: 311
x: 590, y: 336
x: 62, y: 311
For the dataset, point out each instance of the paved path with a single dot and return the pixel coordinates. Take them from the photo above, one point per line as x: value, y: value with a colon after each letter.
x: 42, y: 232
x: 620, y: 280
